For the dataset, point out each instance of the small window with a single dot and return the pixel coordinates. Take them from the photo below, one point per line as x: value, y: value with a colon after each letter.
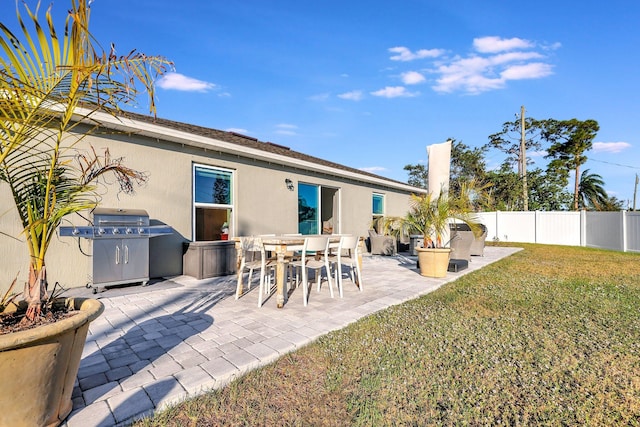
x: 378, y: 204
x: 377, y: 211
x: 213, y: 200
x: 212, y: 186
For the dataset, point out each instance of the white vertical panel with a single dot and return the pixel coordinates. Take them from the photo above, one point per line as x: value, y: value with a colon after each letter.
x: 489, y: 219
x: 558, y: 228
x: 592, y: 229
x: 604, y: 230
x: 633, y: 231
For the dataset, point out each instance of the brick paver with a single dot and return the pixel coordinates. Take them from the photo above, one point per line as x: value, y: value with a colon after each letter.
x: 158, y: 344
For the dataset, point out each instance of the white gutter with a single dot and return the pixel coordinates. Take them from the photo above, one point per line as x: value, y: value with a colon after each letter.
x: 181, y: 137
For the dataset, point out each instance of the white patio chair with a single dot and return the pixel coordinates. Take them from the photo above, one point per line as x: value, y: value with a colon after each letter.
x: 254, y: 257
x: 348, y: 254
x: 314, y: 256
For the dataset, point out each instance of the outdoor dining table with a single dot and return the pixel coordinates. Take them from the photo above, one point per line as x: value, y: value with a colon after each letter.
x: 281, y: 245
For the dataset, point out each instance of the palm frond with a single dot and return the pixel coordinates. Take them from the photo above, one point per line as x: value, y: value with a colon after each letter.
x: 43, y: 82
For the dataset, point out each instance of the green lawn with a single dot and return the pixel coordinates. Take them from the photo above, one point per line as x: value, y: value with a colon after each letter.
x: 549, y: 336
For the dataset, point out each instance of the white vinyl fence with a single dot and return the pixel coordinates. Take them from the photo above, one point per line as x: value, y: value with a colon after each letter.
x: 608, y: 230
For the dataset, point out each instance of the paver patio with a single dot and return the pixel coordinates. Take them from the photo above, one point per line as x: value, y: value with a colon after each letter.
x: 159, y: 344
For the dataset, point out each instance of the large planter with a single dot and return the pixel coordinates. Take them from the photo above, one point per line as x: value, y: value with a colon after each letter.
x: 38, y: 367
x: 433, y: 261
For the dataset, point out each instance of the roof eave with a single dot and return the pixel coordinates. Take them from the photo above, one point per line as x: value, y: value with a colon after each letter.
x: 124, y: 124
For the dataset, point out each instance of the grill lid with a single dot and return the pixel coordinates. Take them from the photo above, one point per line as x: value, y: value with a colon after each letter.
x: 124, y: 217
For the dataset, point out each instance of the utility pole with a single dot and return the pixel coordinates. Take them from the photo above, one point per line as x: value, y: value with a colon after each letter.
x: 635, y: 191
x: 523, y: 162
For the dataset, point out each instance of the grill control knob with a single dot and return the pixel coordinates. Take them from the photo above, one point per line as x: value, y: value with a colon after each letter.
x: 116, y: 231
x: 75, y: 232
x: 101, y: 231
x: 140, y: 230
x: 128, y: 231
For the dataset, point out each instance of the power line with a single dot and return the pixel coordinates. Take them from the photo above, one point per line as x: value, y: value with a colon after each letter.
x: 615, y: 164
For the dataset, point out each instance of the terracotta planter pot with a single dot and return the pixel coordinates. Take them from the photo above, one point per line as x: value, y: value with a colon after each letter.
x: 433, y: 261
x: 38, y: 367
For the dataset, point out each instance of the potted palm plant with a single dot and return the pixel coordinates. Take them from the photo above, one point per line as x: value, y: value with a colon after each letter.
x: 429, y: 216
x: 50, y: 90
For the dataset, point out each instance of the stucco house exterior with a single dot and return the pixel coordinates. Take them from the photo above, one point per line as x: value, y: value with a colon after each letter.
x: 198, y: 180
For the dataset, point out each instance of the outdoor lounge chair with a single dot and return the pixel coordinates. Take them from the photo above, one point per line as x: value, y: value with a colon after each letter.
x: 477, y: 245
x: 460, y: 244
x: 382, y: 245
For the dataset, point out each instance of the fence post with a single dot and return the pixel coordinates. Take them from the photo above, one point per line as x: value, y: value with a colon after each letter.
x: 624, y: 230
x: 583, y: 227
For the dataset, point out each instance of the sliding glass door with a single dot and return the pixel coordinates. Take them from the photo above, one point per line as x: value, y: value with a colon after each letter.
x: 318, y: 209
x: 308, y: 208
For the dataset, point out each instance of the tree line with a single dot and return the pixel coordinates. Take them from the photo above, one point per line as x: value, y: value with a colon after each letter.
x: 507, y: 187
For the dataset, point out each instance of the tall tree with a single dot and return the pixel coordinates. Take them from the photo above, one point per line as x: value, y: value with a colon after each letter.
x: 467, y: 165
x: 547, y: 191
x: 591, y: 192
x: 569, y: 140
x: 418, y: 175
x: 509, y: 141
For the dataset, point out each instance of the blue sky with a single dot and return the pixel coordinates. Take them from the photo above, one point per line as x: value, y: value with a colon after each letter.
x: 371, y: 84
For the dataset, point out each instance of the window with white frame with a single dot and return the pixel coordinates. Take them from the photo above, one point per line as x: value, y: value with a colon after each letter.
x: 377, y: 210
x: 213, y: 202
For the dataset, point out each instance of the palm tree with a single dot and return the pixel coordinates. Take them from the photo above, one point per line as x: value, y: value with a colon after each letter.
x: 570, y: 139
x: 591, y: 193
x: 430, y: 217
x: 50, y: 90
x: 611, y: 204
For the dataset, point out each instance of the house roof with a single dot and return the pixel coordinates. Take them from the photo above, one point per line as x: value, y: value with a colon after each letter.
x: 237, y: 144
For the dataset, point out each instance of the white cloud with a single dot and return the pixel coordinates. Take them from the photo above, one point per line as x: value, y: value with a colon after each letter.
x: 610, y: 147
x: 493, y: 62
x: 537, y: 153
x: 238, y: 130
x: 505, y: 58
x: 412, y: 78
x: 319, y: 97
x: 354, y: 95
x: 181, y: 82
x: 286, y: 129
x: 472, y: 75
x: 480, y: 73
x: 552, y: 46
x: 373, y: 169
x: 534, y: 70
x: 394, y: 92
x: 495, y: 44
x: 404, y: 54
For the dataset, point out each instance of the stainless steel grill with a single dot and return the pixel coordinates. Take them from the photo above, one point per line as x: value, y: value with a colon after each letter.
x: 120, y: 243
